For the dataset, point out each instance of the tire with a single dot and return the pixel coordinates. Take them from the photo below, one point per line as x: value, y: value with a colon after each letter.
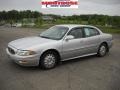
x: 102, y: 51
x: 48, y: 60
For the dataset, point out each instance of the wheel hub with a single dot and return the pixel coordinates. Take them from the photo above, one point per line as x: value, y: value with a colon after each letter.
x: 102, y: 50
x: 49, y: 60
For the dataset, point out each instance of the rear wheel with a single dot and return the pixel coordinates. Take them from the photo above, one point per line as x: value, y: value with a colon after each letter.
x: 102, y: 50
x: 48, y: 60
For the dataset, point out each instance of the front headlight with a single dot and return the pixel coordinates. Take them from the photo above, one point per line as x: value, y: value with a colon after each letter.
x: 25, y: 52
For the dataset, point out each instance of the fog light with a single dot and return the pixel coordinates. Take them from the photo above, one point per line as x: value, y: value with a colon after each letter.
x: 22, y: 61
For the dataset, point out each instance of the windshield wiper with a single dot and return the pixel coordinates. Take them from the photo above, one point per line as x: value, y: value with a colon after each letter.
x: 48, y: 37
x: 45, y: 37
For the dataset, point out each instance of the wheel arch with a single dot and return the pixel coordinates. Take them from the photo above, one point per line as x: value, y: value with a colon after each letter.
x: 52, y: 50
x: 106, y: 45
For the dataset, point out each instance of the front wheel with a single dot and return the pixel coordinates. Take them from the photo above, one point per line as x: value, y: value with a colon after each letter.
x: 48, y: 60
x: 102, y: 50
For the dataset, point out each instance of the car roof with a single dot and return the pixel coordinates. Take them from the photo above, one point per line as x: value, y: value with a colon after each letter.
x: 70, y: 26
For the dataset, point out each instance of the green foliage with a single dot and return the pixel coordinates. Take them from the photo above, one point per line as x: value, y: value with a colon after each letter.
x: 26, y: 16
x: 112, y: 30
x: 18, y: 15
x: 39, y: 22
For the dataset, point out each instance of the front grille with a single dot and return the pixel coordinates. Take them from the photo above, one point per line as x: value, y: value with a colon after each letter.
x: 11, y: 50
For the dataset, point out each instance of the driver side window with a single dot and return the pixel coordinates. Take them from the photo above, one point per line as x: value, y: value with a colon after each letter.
x: 77, y: 33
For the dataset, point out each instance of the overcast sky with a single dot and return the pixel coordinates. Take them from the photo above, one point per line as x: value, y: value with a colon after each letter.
x: 108, y: 7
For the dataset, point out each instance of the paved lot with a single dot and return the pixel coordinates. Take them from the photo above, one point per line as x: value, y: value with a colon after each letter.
x: 90, y: 73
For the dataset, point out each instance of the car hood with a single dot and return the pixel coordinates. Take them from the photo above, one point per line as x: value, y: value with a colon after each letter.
x: 29, y: 42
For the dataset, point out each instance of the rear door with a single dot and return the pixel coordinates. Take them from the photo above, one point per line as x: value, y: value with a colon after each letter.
x: 91, y: 40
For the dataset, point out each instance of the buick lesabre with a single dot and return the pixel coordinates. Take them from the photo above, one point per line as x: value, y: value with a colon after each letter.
x: 59, y: 43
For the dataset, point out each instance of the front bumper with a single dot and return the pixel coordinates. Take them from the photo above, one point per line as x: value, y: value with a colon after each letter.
x: 32, y: 60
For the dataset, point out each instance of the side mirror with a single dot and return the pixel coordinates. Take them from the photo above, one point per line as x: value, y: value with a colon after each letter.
x: 69, y: 37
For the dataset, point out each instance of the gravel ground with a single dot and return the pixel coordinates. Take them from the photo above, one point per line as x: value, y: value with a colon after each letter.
x: 89, y: 73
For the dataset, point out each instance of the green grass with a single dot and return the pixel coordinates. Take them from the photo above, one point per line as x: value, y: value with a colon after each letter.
x: 112, y: 30
x: 44, y: 26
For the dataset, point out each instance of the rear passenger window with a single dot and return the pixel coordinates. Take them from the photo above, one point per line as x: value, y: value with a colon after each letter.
x: 90, y: 32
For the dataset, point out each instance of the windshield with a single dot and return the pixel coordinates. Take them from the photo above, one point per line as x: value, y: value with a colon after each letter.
x: 55, y: 32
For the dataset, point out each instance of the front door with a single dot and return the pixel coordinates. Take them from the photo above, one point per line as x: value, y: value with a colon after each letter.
x: 73, y: 48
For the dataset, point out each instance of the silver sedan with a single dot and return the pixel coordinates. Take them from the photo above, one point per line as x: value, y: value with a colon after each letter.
x: 59, y: 43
